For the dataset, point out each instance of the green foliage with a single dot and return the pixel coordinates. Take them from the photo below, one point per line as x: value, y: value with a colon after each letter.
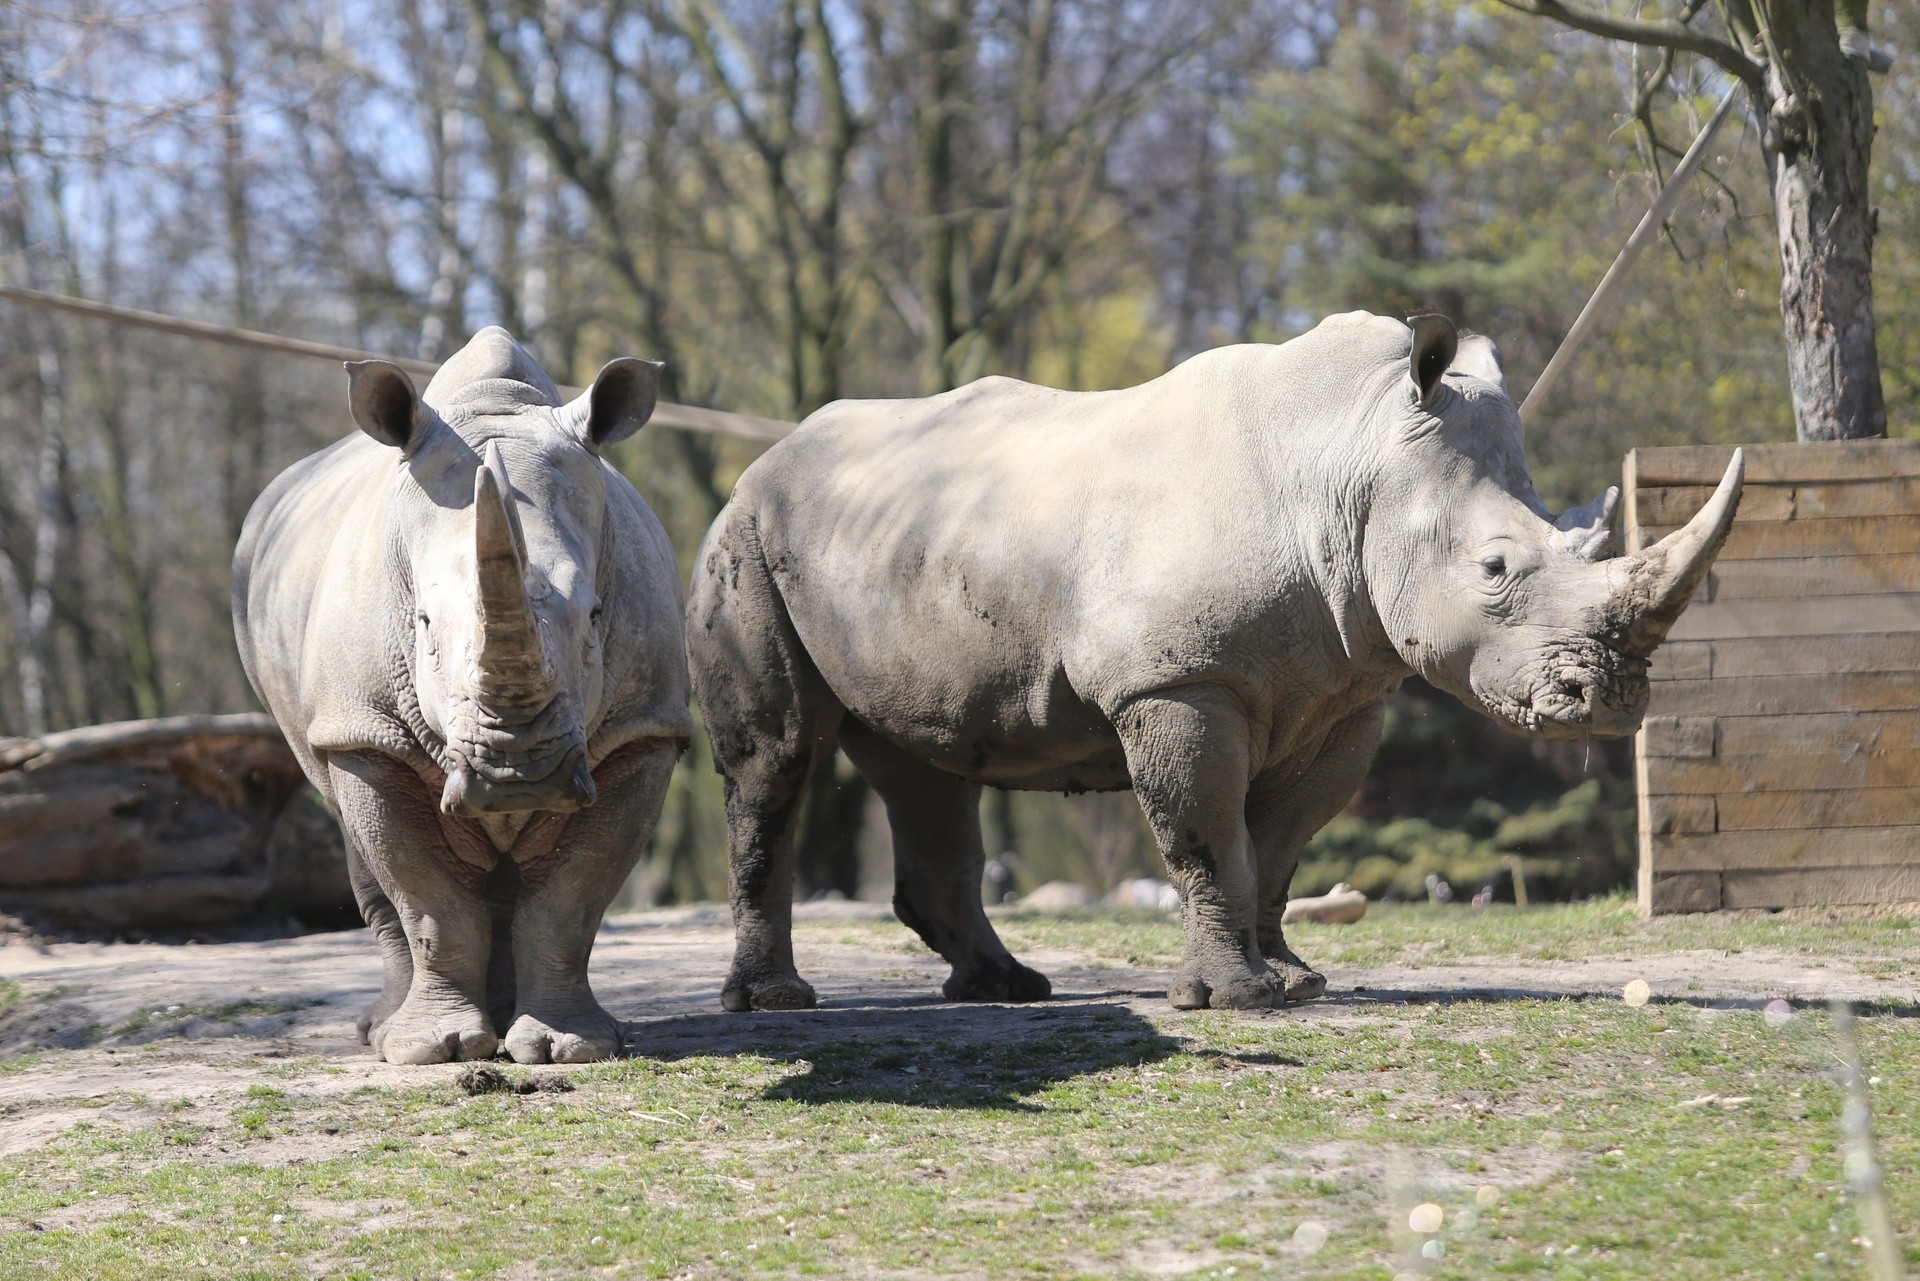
x: 1578, y: 843
x: 1454, y: 155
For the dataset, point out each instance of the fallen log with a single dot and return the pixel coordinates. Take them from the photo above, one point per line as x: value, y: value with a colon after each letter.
x: 180, y: 823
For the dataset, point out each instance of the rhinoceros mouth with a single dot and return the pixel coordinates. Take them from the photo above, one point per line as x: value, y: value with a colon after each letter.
x: 1586, y: 688
x: 500, y: 763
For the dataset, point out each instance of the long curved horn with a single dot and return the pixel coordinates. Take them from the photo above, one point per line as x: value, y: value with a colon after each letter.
x: 512, y: 660
x: 1652, y: 586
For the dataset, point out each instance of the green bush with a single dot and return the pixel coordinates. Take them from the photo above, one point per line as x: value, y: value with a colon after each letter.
x: 1577, y: 844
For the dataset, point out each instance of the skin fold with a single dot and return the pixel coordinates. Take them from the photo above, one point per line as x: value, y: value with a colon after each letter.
x: 468, y: 625
x: 1202, y: 588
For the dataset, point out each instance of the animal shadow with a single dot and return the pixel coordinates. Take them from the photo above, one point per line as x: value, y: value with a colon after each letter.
x: 981, y: 1057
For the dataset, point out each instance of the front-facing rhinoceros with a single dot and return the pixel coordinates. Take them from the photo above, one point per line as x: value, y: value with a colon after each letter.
x: 468, y: 625
x: 1202, y: 588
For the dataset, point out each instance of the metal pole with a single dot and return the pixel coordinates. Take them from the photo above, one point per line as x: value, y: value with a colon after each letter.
x: 665, y: 414
x: 1642, y: 235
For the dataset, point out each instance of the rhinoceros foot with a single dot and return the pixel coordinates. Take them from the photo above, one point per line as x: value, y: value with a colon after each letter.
x: 370, y: 1023
x: 998, y: 980
x: 1304, y: 983
x: 782, y: 992
x: 1193, y: 989
x: 578, y: 1032
x: 430, y: 1031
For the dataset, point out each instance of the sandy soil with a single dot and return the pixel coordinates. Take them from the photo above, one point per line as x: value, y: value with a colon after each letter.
x: 119, y: 1032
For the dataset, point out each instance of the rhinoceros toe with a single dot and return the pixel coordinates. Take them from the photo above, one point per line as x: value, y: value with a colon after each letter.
x: 408, y: 1038
x: 588, y: 1039
x: 1193, y: 990
x: 998, y: 980
x: 1304, y: 984
x: 784, y: 992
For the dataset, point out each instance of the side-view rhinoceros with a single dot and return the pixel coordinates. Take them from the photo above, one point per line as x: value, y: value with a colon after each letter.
x: 468, y: 625
x: 1202, y: 587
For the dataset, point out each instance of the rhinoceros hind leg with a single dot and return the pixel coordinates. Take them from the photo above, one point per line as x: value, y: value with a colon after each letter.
x: 937, y: 862
x: 1284, y: 812
x: 1187, y: 755
x: 1011, y: 981
x: 778, y: 992
x: 763, y: 813
x: 770, y: 718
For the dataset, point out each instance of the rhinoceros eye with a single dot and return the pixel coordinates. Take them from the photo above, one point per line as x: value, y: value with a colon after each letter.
x: 1494, y: 566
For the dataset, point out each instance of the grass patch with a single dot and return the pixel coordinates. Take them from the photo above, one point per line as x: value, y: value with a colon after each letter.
x: 1576, y: 1138
x: 178, y: 1017
x: 1884, y: 945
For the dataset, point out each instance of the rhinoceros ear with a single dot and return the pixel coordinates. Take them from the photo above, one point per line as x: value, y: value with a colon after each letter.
x: 1477, y: 357
x: 619, y: 402
x: 385, y: 404
x: 1434, y: 342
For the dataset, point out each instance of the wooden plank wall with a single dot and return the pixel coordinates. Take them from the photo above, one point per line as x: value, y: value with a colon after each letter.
x: 1780, y: 761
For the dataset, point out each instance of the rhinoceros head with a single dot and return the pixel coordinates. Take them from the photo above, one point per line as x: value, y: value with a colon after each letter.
x: 1484, y: 591
x: 497, y: 539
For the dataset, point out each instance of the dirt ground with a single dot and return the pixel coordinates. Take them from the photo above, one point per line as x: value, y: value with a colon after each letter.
x: 211, y: 1020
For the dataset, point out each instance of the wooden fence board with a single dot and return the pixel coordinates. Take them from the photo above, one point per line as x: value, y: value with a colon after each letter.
x: 1877, y: 497
x: 1774, y: 540
x: 1787, y: 656
x: 1686, y: 737
x: 1779, y: 764
x: 1798, y: 811
x: 1804, y: 576
x: 1677, y: 506
x: 1820, y: 887
x: 1779, y: 774
x: 1817, y: 733
x: 1818, y: 616
x: 1788, y: 695
x: 1663, y: 892
x: 1726, y: 851
x: 1774, y: 464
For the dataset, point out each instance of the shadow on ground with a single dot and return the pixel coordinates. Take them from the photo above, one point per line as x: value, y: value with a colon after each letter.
x: 919, y: 1054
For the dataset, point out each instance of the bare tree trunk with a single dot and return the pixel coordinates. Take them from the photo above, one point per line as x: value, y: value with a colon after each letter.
x: 443, y: 318
x: 246, y: 400
x: 36, y: 653
x: 1818, y: 140
x: 1816, y: 113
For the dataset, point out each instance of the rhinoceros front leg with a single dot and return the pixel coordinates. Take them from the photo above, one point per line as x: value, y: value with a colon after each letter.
x: 567, y: 889
x: 937, y: 861
x: 1187, y: 753
x: 1283, y: 813
x: 438, y: 900
x: 396, y: 959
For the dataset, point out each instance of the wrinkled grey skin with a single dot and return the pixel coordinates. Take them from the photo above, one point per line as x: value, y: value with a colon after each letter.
x: 1202, y: 588
x: 468, y: 625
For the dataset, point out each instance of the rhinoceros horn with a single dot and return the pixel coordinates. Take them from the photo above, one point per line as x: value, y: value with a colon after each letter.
x: 1651, y: 587
x: 512, y: 660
